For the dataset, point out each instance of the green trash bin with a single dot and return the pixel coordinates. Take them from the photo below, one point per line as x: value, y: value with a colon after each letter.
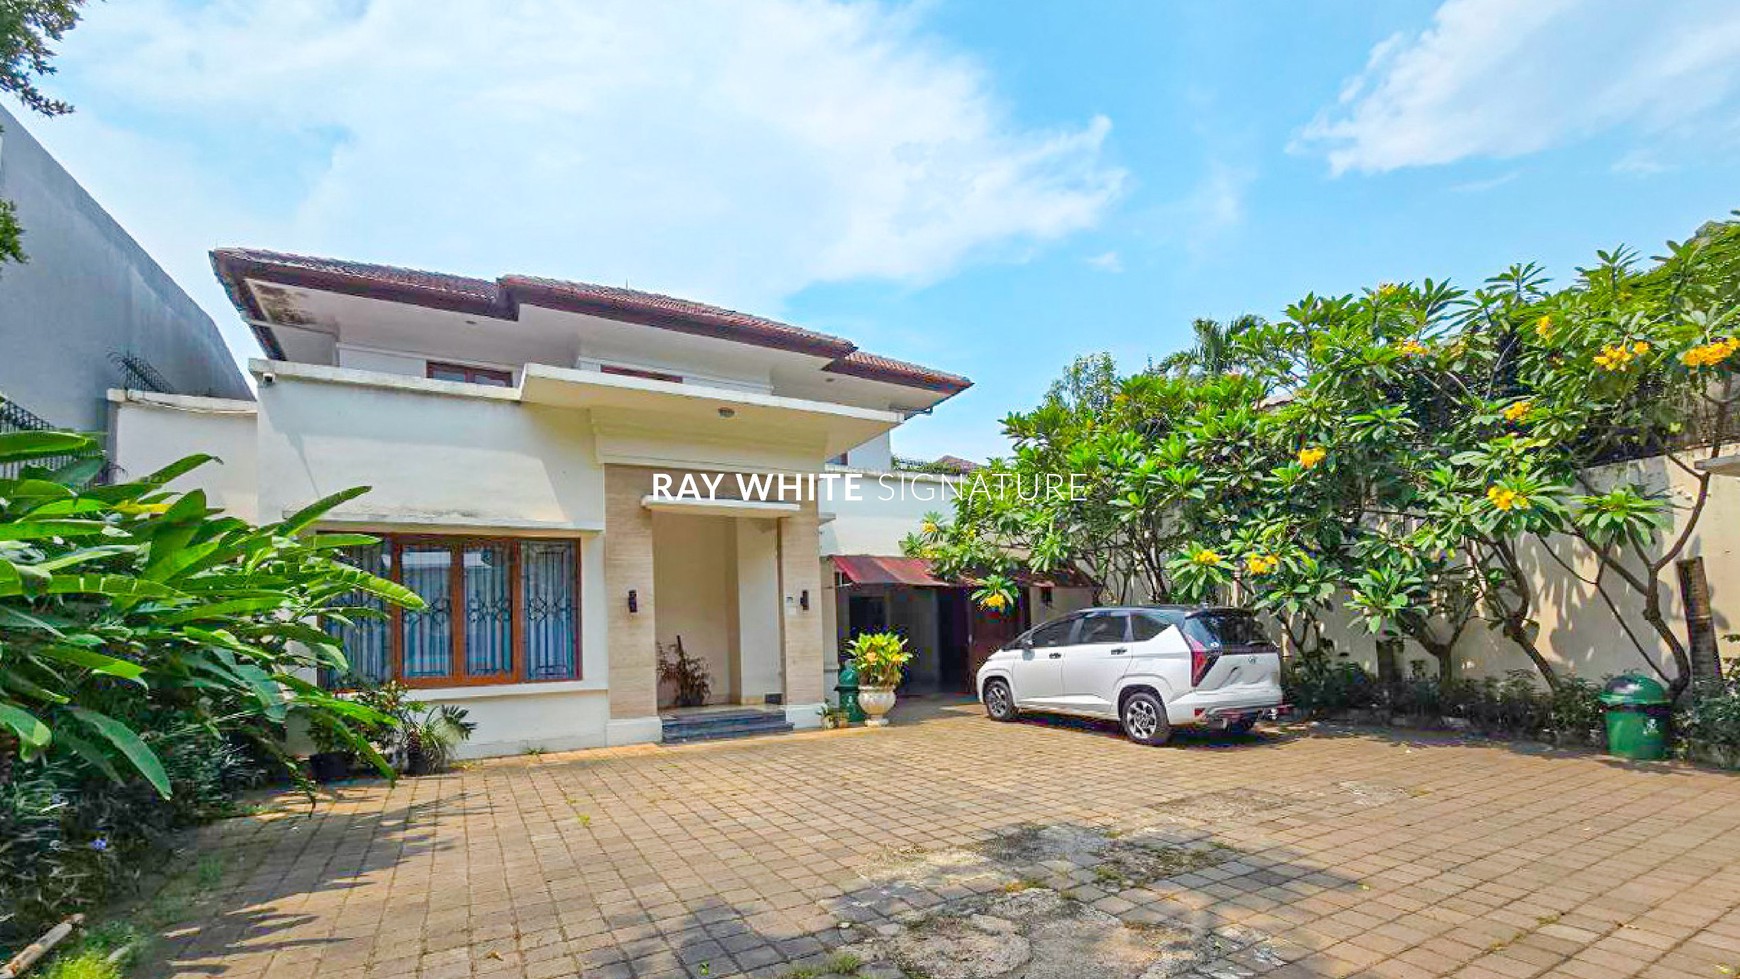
x: 1637, y: 717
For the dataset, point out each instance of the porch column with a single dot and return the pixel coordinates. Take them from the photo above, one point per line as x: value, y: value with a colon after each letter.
x: 633, y: 644
x: 800, y: 571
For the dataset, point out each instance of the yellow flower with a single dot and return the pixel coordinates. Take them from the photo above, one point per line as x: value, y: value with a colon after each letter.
x: 1544, y: 326
x: 1505, y: 498
x: 1517, y: 412
x: 995, y: 600
x: 1206, y: 557
x: 1710, y: 354
x: 1612, y: 358
x: 1261, y: 563
x: 1412, y: 348
x: 929, y: 526
x: 1388, y: 289
x: 1311, y: 456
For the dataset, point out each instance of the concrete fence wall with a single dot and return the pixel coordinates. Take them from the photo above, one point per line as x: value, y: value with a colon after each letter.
x: 1579, y: 633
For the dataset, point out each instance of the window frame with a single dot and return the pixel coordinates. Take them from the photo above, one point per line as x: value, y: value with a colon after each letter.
x: 1081, y: 636
x: 472, y: 373
x: 645, y: 373
x: 395, y: 543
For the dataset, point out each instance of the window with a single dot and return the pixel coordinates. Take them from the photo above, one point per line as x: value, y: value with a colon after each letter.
x: 1103, y: 627
x: 638, y: 372
x: 1052, y: 634
x: 497, y: 611
x: 1146, y: 625
x: 439, y: 371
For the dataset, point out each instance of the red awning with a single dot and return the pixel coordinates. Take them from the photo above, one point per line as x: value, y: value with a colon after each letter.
x: 868, y: 569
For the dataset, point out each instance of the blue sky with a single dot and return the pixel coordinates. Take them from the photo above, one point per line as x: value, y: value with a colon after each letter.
x: 986, y: 187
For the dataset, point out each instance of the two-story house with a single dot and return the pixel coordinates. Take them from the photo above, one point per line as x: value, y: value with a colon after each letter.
x: 511, y: 432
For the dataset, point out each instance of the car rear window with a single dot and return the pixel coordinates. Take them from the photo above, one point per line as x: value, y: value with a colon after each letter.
x: 1146, y: 625
x: 1226, y: 629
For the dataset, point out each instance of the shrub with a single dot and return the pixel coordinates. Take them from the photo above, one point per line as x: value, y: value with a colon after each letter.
x: 1317, y: 684
x: 1708, y: 725
x: 879, y: 657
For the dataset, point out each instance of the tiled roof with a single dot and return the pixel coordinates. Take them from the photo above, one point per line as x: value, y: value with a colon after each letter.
x: 501, y: 299
x: 858, y: 363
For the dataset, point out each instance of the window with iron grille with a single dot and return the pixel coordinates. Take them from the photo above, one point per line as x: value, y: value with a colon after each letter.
x: 497, y: 610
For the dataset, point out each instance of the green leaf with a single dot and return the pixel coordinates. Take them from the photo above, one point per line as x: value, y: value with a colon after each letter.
x: 42, y: 529
x: 94, y: 661
x: 32, y: 733
x: 112, y: 585
x: 135, y: 750
x: 91, y: 754
x: 18, y: 446
x: 218, y: 610
x: 302, y: 519
x: 363, y: 581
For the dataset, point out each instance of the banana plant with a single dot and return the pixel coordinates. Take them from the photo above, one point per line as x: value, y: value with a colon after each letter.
x: 119, y: 600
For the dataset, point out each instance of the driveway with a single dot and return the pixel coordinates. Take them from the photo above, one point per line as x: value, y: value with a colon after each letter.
x: 952, y: 847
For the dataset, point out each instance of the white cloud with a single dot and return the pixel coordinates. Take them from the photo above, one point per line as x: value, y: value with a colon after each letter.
x: 731, y: 151
x: 1498, y: 78
x: 1106, y: 261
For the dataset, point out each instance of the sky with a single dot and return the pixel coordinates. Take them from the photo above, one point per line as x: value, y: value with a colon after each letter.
x: 984, y: 186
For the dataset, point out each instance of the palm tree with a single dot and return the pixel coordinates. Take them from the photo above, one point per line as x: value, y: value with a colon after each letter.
x: 1214, y: 351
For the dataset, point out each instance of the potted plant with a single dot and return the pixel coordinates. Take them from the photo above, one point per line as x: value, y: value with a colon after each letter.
x: 688, y: 676
x: 880, y: 658
x: 834, y: 718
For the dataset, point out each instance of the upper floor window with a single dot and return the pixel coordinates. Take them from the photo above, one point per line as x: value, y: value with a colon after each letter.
x: 439, y: 371
x: 638, y: 372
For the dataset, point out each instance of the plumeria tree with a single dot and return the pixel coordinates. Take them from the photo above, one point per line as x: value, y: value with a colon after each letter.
x: 1412, y: 455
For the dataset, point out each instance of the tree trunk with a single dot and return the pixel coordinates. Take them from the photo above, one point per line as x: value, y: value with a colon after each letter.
x: 1706, y: 661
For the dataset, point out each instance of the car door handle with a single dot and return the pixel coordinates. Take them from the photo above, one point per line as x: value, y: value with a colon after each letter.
x: 1057, y: 656
x: 1120, y: 650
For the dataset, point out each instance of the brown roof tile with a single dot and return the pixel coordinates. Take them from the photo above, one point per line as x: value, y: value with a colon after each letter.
x: 501, y: 299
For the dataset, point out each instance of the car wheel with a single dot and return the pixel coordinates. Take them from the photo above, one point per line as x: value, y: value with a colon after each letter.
x: 1144, y: 719
x: 999, y: 702
x: 1243, y: 725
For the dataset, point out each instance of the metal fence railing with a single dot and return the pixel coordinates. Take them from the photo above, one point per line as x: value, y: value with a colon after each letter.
x: 16, y: 418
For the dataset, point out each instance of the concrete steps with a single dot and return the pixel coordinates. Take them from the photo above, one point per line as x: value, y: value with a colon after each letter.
x: 716, y: 725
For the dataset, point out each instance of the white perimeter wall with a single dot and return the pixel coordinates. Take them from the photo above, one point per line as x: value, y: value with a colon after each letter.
x: 148, y: 432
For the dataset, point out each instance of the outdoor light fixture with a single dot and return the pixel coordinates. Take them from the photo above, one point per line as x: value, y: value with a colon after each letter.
x: 727, y: 412
x: 804, y: 600
x: 633, y: 602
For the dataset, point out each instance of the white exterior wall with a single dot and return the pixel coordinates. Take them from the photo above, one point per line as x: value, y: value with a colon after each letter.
x: 150, y: 431
x: 694, y: 568
x: 436, y: 454
x: 758, y: 609
x: 891, y: 505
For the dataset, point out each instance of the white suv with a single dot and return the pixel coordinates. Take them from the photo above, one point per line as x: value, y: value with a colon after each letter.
x: 1152, y: 668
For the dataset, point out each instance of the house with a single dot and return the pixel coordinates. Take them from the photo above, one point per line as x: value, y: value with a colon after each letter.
x: 514, y: 434
x: 89, y: 310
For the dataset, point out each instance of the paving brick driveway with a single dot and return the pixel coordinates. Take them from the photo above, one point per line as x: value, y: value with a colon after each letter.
x: 1289, y: 854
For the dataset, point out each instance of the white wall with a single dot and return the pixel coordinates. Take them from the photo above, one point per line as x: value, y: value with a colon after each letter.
x: 891, y: 505
x: 694, y: 567
x: 384, y: 361
x: 876, y: 455
x: 148, y: 432
x: 431, y: 458
x: 1063, y: 602
x: 1578, y: 633
x: 514, y: 719
x: 758, y: 608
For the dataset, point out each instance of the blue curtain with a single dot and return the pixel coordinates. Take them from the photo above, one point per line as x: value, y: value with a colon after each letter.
x: 489, y: 646
x: 428, y: 635
x: 552, y: 617
x: 365, y: 639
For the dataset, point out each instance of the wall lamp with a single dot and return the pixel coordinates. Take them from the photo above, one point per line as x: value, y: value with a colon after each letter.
x: 633, y: 602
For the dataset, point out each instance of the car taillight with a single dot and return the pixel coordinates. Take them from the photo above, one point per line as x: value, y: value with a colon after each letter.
x: 1201, y: 659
